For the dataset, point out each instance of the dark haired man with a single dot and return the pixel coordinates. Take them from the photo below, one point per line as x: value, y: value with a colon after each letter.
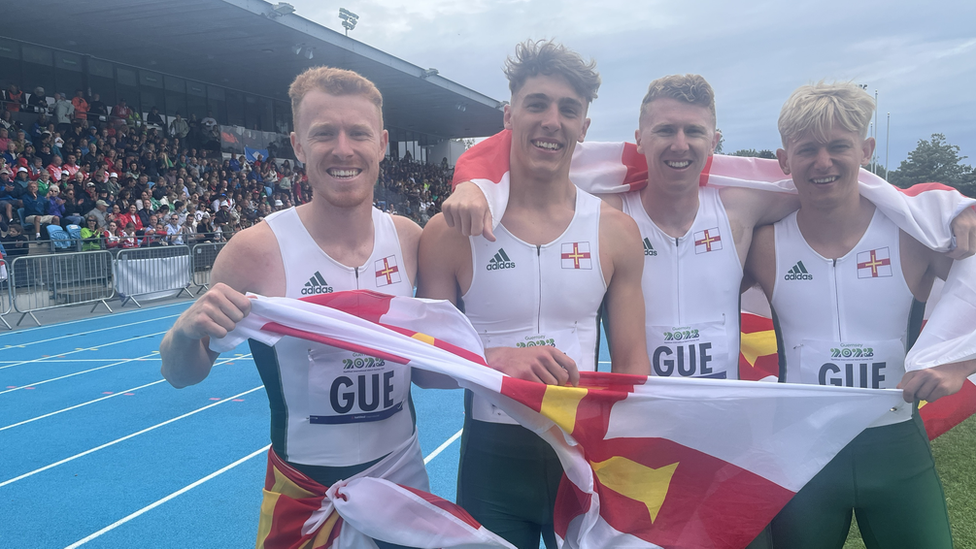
x: 534, y: 293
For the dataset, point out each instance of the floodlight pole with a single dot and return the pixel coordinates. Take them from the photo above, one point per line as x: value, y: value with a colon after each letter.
x: 887, y: 144
x: 875, y: 170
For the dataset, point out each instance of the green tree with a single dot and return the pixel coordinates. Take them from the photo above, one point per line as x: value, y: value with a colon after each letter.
x: 721, y: 142
x: 935, y: 160
x: 765, y: 153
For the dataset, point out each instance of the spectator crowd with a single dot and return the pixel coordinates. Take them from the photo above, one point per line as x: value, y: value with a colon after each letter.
x: 128, y: 182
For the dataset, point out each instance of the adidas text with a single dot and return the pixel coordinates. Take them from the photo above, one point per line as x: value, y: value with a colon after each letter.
x: 315, y: 290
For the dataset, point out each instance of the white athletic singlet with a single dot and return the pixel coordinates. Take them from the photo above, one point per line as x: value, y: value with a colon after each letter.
x: 844, y: 321
x: 331, y: 407
x: 691, y: 289
x: 523, y: 295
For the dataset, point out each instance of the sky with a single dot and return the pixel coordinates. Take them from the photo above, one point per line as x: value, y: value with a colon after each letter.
x: 921, y: 58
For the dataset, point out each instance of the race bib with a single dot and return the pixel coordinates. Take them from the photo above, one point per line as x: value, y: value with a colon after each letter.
x: 866, y: 364
x: 346, y: 387
x: 566, y: 341
x: 694, y: 350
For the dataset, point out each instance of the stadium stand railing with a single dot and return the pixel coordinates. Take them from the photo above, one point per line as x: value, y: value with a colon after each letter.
x: 203, y: 257
x: 6, y: 293
x: 39, y: 282
x: 162, y: 271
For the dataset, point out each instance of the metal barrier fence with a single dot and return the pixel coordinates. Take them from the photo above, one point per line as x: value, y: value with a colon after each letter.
x: 40, y: 282
x: 203, y: 259
x: 6, y: 293
x: 152, y: 272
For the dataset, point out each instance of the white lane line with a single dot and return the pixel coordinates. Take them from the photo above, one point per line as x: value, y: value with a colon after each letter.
x: 211, y: 476
x: 95, y: 318
x: 159, y: 502
x: 126, y: 437
x: 443, y: 447
x: 117, y: 393
x: 35, y: 384
x: 66, y: 336
x: 92, y: 348
x: 67, y: 360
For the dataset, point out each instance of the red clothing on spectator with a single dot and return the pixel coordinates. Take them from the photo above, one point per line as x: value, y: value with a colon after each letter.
x: 81, y: 108
x: 125, y: 219
x: 121, y: 111
x: 14, y: 100
x: 55, y: 172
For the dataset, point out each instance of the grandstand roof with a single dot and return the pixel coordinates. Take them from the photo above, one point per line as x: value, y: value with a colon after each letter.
x: 235, y: 43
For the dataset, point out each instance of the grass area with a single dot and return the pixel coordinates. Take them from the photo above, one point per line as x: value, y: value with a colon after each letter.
x: 954, y: 458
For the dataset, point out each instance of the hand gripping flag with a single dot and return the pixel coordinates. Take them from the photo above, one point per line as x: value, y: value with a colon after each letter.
x: 649, y: 462
x: 923, y: 211
x: 948, y: 336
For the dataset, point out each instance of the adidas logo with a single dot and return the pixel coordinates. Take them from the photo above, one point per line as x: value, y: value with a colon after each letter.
x: 500, y: 261
x: 648, y: 249
x: 798, y: 272
x: 316, y: 285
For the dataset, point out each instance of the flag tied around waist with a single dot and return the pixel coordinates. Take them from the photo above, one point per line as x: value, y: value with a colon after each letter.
x: 648, y: 461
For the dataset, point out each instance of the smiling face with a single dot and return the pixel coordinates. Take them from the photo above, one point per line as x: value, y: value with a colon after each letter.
x: 676, y: 138
x: 824, y: 168
x: 341, y: 141
x: 547, y: 118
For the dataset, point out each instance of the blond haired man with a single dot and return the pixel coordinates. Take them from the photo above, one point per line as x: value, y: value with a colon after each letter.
x: 322, y: 425
x: 848, y: 321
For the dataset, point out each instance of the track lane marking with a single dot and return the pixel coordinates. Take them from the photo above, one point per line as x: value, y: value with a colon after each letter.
x: 92, y: 348
x: 207, y: 478
x: 126, y: 437
x: 117, y: 393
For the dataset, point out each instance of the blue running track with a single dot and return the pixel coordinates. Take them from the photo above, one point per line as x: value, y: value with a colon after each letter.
x: 99, y: 451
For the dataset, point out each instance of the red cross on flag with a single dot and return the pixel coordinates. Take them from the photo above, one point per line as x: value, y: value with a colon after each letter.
x: 576, y: 255
x: 874, y: 263
x: 709, y: 240
x: 386, y: 271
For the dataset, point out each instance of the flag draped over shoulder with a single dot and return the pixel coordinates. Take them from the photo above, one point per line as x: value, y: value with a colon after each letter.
x: 648, y: 461
x: 923, y: 211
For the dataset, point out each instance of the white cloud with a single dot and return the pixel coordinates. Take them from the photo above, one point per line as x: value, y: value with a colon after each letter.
x: 920, y: 58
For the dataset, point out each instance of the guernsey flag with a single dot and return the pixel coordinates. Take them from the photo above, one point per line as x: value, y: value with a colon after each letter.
x: 648, y: 461
x: 924, y: 211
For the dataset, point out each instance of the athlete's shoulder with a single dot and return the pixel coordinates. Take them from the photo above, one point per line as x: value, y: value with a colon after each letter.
x: 250, y: 261
x: 406, y: 228
x: 614, y: 200
x: 617, y: 228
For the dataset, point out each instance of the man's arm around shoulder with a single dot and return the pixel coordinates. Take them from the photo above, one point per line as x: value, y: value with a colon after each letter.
x: 620, y: 238
x: 243, y: 265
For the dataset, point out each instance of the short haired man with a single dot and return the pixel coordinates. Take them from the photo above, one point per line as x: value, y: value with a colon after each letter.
x: 336, y: 242
x: 36, y: 210
x: 99, y: 213
x: 860, y: 274
x: 534, y: 294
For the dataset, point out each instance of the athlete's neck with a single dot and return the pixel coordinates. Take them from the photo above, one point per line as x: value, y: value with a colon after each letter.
x: 345, y: 234
x: 539, y: 211
x: 673, y: 210
x: 833, y: 232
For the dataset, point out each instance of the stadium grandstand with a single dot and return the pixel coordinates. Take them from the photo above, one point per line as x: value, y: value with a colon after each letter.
x: 174, y: 117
